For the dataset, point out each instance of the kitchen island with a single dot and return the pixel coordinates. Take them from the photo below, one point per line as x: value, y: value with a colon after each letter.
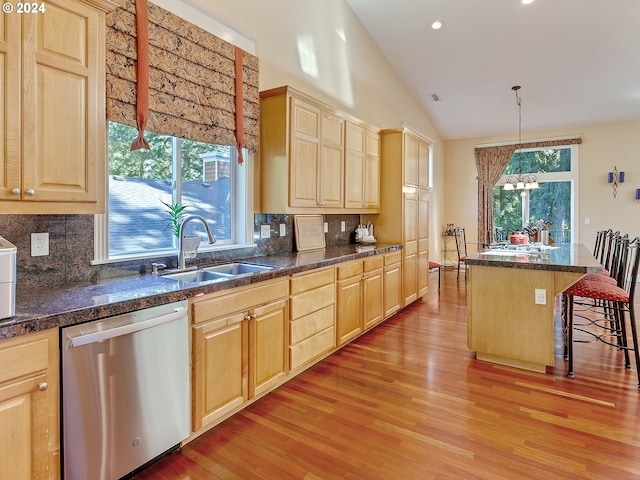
x: 511, y: 301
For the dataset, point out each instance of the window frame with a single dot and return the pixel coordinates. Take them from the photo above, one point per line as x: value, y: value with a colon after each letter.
x: 570, y: 176
x: 242, y: 213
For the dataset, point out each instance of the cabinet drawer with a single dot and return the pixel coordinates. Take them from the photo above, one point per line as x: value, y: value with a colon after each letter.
x: 235, y: 301
x: 311, y: 324
x: 312, y: 347
x: 371, y: 263
x: 305, y: 303
x: 23, y: 356
x: 391, y: 258
x: 349, y: 270
x: 308, y: 281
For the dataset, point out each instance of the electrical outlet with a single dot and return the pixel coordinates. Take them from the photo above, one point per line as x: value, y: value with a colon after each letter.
x: 283, y: 229
x: 541, y: 296
x: 265, y: 231
x: 326, y: 227
x: 343, y: 226
x: 39, y: 244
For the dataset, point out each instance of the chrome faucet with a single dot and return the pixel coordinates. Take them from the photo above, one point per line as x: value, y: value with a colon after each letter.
x: 182, y: 263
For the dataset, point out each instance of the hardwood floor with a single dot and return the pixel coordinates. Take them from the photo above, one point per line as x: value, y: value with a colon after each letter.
x: 408, y: 401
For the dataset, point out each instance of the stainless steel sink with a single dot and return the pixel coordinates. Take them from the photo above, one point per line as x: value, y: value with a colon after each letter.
x: 236, y: 268
x: 196, y: 276
x: 216, y: 272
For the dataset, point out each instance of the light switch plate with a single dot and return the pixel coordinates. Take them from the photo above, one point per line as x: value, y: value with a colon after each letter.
x: 541, y: 296
x: 39, y: 244
x: 343, y: 226
x: 326, y: 227
x: 265, y: 231
x: 283, y: 229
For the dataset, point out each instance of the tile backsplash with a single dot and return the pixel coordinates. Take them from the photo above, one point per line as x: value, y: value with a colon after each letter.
x: 71, y: 247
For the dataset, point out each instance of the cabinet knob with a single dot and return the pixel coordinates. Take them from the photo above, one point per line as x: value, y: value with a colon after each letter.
x: 31, y: 192
x: 15, y: 191
x: 43, y: 386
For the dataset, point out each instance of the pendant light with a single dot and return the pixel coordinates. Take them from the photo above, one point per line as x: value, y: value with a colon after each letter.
x: 521, y: 182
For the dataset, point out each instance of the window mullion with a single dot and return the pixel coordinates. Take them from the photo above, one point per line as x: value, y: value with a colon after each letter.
x: 176, y: 160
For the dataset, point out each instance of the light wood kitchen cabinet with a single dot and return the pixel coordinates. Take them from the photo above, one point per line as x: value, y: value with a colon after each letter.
x: 416, y: 161
x: 301, y: 153
x: 404, y: 207
x: 422, y: 262
x: 29, y: 406
x: 52, y: 135
x: 314, y: 158
x: 312, y: 319
x: 362, y: 167
x: 372, y: 291
x: 392, y: 283
x: 359, y: 297
x: 239, y: 348
x: 349, y: 301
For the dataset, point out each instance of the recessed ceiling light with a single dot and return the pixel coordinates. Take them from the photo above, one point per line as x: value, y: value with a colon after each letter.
x: 527, y: 2
x: 437, y: 25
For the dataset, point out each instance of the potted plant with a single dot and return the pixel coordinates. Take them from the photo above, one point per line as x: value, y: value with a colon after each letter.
x: 177, y: 215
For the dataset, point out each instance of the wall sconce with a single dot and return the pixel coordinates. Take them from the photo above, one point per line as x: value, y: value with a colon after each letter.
x: 615, y: 179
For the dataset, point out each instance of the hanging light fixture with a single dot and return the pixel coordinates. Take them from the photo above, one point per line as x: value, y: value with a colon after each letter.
x: 521, y: 182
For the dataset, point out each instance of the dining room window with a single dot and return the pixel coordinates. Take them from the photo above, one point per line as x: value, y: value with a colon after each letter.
x: 553, y: 203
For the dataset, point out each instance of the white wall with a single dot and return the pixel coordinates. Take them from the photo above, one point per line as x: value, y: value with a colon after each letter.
x: 602, y: 148
x: 320, y: 48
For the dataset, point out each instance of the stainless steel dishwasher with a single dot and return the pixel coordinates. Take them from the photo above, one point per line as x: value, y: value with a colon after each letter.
x: 125, y: 391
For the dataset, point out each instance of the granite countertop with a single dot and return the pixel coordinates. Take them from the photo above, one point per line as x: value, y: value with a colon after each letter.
x: 81, y: 302
x: 571, y: 257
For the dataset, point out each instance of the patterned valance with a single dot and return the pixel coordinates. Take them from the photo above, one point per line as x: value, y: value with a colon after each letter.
x: 191, y: 79
x: 549, y: 143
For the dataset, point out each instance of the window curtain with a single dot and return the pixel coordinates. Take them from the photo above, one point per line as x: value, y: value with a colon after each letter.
x: 192, y: 79
x: 491, y: 163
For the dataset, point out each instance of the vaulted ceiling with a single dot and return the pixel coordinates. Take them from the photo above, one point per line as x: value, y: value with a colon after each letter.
x: 577, y: 61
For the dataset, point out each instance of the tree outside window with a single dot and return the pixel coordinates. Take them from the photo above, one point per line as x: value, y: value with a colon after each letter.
x: 552, y: 202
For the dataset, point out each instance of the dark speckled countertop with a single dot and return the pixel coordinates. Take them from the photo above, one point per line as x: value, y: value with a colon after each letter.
x: 81, y: 302
x: 571, y: 257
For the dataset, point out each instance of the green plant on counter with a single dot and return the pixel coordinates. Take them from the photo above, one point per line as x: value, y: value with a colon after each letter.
x: 176, y: 213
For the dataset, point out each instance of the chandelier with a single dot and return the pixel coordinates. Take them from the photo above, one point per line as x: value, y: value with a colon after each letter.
x: 520, y: 182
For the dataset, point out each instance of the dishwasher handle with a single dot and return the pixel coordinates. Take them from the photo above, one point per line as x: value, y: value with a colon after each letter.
x: 126, y: 329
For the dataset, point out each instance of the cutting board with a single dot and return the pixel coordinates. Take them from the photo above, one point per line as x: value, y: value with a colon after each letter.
x: 309, y: 232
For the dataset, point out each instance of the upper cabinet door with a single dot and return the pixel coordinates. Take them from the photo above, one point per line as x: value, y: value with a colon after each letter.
x: 10, y: 84
x: 304, y: 154
x: 354, y: 166
x: 410, y: 160
x: 63, y: 129
x: 423, y: 164
x: 372, y: 170
x: 331, y: 161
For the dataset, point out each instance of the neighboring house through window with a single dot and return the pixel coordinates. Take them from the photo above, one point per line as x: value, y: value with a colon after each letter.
x: 204, y: 177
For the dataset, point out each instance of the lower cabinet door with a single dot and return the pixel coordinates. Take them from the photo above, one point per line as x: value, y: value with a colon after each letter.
x: 220, y: 381
x: 349, y: 313
x: 268, y: 345
x: 372, y: 295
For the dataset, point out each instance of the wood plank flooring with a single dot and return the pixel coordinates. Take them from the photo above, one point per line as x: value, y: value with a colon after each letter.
x: 408, y: 401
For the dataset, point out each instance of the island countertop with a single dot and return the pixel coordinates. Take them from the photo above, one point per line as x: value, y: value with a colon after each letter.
x: 569, y: 257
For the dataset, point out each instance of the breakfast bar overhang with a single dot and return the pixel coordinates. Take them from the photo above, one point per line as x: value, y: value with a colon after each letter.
x: 505, y: 323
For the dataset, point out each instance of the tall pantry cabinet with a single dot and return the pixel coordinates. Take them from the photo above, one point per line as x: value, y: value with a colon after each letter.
x: 404, y: 206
